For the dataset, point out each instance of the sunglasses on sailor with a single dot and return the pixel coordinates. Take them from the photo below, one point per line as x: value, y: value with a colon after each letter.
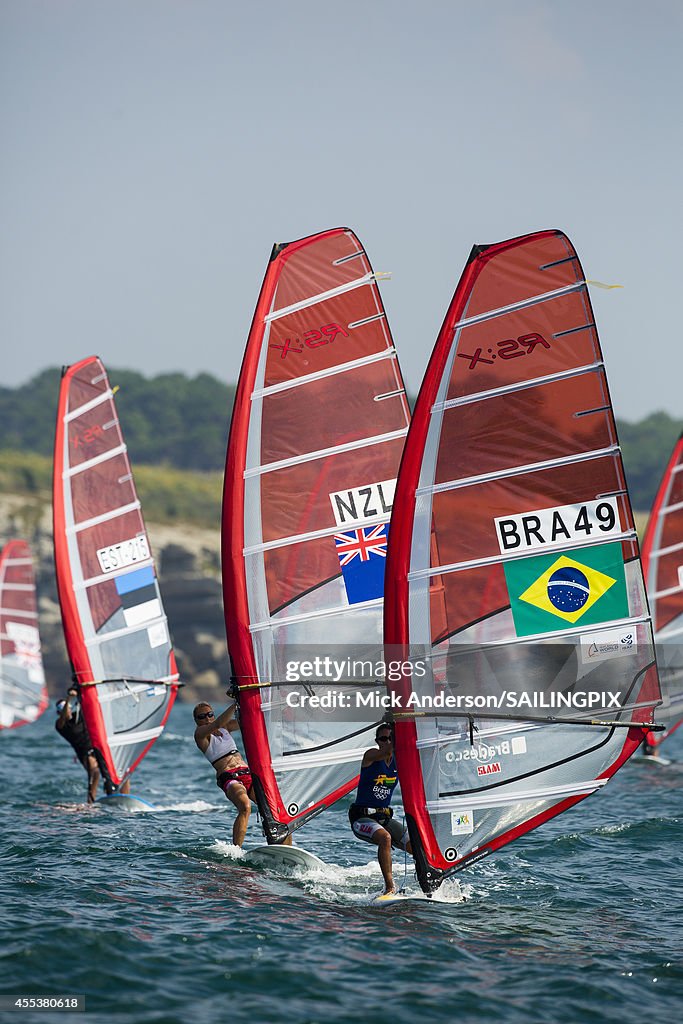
x: 384, y: 739
x: 208, y: 714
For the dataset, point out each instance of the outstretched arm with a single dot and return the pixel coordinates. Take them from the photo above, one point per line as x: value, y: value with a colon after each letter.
x: 65, y: 713
x: 225, y: 720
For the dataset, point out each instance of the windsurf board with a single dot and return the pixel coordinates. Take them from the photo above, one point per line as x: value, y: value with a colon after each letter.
x: 385, y: 899
x: 279, y: 856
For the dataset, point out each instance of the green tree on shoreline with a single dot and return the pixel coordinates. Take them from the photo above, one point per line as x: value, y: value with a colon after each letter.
x: 182, y: 423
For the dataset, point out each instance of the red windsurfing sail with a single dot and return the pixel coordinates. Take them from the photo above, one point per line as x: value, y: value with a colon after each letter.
x: 513, y: 567
x: 316, y: 438
x: 663, y: 570
x: 23, y: 693
x: 115, y: 627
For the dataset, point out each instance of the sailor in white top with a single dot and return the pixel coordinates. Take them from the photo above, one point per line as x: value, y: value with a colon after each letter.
x: 213, y: 737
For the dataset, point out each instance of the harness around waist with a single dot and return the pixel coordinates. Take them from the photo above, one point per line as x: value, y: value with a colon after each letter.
x: 232, y: 773
x: 356, y: 811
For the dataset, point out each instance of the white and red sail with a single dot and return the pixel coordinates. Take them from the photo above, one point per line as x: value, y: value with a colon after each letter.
x: 663, y: 571
x: 513, y: 565
x: 23, y: 693
x: 115, y: 627
x: 316, y: 438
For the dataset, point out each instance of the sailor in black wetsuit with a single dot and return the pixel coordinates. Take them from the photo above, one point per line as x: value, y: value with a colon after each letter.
x: 71, y: 726
x: 371, y: 816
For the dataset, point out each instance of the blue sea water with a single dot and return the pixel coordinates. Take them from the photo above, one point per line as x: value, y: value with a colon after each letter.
x: 155, y: 917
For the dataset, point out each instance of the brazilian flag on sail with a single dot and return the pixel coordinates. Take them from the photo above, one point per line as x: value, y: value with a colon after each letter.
x: 551, y: 592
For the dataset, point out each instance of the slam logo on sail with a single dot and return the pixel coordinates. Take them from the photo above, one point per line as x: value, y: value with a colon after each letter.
x: 551, y: 592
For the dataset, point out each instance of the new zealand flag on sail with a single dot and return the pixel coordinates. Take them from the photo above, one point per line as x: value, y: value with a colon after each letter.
x: 362, y: 557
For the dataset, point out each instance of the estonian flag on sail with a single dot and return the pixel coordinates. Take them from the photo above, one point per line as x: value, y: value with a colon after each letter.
x: 362, y: 557
x: 139, y: 596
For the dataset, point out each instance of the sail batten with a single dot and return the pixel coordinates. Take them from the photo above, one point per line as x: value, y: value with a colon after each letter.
x: 325, y: 453
x: 98, y: 460
x: 81, y: 410
x: 669, y: 509
x: 300, y: 538
x: 105, y: 517
x: 127, y: 631
x: 94, y: 580
x: 315, y: 300
x: 114, y: 623
x: 288, y: 620
x: 331, y: 371
x: 523, y: 385
x: 448, y: 803
x: 516, y: 307
x: 529, y: 467
x: 511, y: 556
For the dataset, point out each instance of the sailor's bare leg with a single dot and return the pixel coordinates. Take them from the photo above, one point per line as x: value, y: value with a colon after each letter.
x: 237, y: 795
x: 93, y: 778
x: 382, y: 839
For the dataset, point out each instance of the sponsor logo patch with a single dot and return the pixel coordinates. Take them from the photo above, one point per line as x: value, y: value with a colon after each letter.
x: 606, y: 644
x: 462, y: 823
x: 489, y: 769
x: 487, y: 751
x: 157, y: 634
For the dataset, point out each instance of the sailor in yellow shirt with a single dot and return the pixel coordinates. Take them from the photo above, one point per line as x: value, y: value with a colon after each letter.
x: 370, y: 815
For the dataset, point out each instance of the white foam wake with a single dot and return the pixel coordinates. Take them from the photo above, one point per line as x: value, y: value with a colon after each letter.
x: 342, y: 883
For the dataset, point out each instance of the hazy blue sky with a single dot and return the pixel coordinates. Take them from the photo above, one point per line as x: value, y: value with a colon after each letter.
x: 153, y: 150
